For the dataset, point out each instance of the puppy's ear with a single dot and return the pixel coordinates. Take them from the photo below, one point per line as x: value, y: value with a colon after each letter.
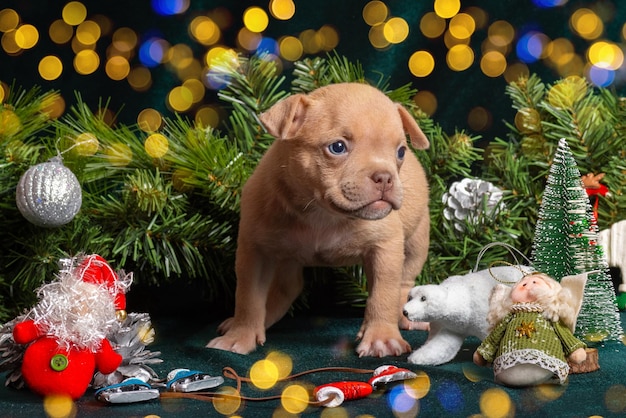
x: 418, y: 139
x: 285, y: 118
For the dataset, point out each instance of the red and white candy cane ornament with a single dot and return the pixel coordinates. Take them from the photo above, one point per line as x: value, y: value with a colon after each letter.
x: 333, y: 394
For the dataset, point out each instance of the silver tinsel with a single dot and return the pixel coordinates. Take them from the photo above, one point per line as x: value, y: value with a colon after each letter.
x: 468, y: 199
x: 49, y: 194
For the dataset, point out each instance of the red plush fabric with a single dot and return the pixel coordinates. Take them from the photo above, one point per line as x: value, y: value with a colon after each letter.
x: 41, y: 378
x: 25, y: 332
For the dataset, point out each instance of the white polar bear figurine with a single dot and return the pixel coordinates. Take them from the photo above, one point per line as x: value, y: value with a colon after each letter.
x: 456, y: 308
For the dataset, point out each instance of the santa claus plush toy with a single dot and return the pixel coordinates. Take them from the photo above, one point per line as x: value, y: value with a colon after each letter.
x: 67, y: 329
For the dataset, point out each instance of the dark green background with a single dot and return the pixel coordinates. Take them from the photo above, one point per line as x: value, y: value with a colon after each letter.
x: 457, y: 92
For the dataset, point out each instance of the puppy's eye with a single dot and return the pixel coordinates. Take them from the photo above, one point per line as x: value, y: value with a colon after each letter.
x: 338, y: 148
x: 423, y: 298
x: 401, y: 152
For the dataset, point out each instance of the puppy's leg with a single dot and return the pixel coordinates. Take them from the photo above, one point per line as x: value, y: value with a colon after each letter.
x: 416, y: 251
x: 379, y: 333
x: 246, y: 329
x: 286, y: 286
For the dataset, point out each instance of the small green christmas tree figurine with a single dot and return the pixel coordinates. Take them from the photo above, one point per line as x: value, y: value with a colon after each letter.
x: 566, y: 243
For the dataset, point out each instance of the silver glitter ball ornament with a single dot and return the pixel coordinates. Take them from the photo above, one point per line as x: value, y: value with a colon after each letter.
x: 49, y: 194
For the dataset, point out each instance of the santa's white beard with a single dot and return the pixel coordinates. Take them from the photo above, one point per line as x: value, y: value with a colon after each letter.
x: 76, y: 313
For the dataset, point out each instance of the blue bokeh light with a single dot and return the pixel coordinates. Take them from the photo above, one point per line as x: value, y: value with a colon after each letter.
x: 529, y: 47
x: 151, y: 52
x: 400, y: 401
x: 450, y: 396
x: 268, y: 46
x: 549, y: 3
x: 601, y: 77
x: 169, y: 7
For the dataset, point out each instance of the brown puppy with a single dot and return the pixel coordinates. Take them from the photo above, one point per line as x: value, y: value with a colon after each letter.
x: 338, y: 187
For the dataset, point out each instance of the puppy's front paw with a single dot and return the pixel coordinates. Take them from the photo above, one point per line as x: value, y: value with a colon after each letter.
x: 381, y: 341
x: 240, y: 341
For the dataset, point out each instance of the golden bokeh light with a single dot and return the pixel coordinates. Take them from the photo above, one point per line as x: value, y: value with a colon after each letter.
x: 180, y: 99
x: 119, y: 155
x: 615, y: 399
x: 311, y: 41
x: 50, y: 67
x: 196, y: 88
x: 462, y: 26
x: 493, y: 64
x: 375, y: 13
x: 564, y: 94
x: 255, y: 19
x: 460, y: 57
x: 9, y: 20
x: 86, y: 144
x: 219, y: 55
x: 548, y: 392
x: 140, y: 79
x: 230, y: 401
x: 26, y: 36
x: 560, y: 52
x: 480, y: 16
x: 451, y: 41
x: 605, y: 55
x: 377, y: 38
x: 283, y: 363
x: 496, y: 403
x: 329, y: 37
x: 501, y: 33
x: 86, y: 62
x: 8, y: 43
x: 179, y: 56
x: 60, y: 32
x: 204, y: 30
x: 105, y: 24
x: 249, y: 40
x: 421, y: 63
x: 290, y: 48
x: 88, y: 32
x: 53, y: 106
x: 207, y: 116
x: 74, y: 13
x: 124, y: 40
x: 515, y: 71
x: 295, y: 399
x: 156, y: 145
x: 431, y: 25
x: 419, y: 386
x: 117, y: 68
x: 3, y: 91
x: 149, y: 120
x: 264, y: 374
x: 59, y: 406
x: 447, y: 8
x: 10, y: 123
x: 396, y: 30
x: 479, y: 119
x: 586, y: 23
x: 426, y: 101
x: 282, y: 9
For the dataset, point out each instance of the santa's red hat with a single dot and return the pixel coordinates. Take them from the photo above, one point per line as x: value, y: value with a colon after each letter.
x: 95, y: 269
